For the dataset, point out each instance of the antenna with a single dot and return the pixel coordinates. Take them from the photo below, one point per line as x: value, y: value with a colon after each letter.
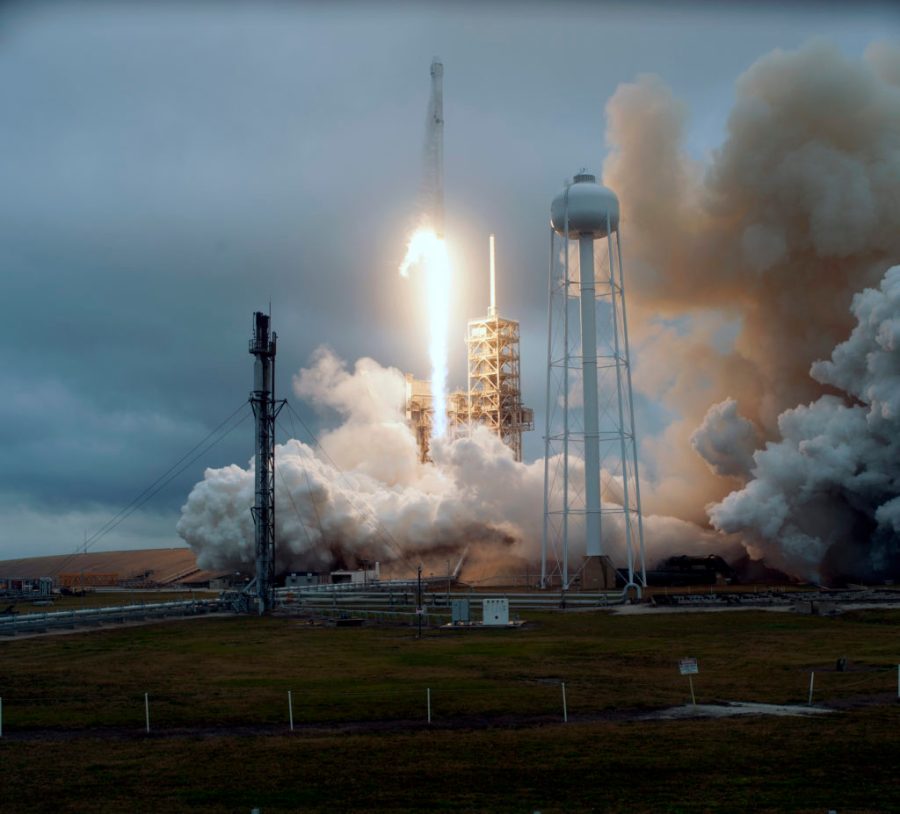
x: 492, y: 311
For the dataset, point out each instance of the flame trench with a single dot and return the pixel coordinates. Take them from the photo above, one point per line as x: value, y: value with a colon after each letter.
x: 428, y: 253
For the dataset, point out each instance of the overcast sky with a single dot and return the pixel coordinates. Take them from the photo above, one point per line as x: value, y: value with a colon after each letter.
x: 166, y: 169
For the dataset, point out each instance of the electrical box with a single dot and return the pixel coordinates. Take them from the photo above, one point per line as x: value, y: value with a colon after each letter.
x: 495, y: 611
x: 459, y: 610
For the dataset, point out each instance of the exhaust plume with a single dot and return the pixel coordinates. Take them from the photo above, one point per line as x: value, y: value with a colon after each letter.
x: 363, y: 494
x: 742, y: 268
x: 824, y: 500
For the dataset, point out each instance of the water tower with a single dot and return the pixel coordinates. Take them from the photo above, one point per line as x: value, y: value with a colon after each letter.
x: 591, y: 487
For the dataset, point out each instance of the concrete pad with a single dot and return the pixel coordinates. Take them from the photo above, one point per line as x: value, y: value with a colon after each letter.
x: 732, y: 709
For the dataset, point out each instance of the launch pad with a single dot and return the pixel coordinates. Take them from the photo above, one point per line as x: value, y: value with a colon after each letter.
x: 493, y: 397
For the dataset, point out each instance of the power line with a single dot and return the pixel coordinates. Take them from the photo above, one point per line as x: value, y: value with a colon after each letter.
x: 160, y: 483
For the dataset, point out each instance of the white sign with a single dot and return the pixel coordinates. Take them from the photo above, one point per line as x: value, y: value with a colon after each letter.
x: 688, y: 667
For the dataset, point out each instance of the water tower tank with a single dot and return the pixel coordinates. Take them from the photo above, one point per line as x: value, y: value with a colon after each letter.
x: 592, y: 208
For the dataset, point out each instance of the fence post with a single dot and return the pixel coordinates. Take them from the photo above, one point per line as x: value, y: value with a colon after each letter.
x: 147, y: 711
x: 565, y: 708
x: 428, y: 696
x: 812, y: 678
x: 291, y: 710
x: 1, y: 717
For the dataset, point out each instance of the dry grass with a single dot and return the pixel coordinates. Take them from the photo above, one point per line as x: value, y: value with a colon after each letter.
x: 239, y: 670
x: 846, y: 764
x: 226, y: 672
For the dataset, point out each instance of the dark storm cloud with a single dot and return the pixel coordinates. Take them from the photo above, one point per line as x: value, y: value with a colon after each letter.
x: 167, y: 169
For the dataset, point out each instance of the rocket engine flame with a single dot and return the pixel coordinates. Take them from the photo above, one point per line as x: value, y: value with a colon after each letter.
x: 428, y: 252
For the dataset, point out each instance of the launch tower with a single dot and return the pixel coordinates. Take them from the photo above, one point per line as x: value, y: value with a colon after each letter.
x: 493, y: 396
x: 494, y: 389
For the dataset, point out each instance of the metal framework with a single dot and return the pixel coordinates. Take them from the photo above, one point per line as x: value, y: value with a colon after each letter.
x: 495, y: 394
x: 419, y: 410
x: 265, y: 411
x: 591, y: 484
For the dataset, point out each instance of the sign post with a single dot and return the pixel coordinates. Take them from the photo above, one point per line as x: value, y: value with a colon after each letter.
x: 689, y: 668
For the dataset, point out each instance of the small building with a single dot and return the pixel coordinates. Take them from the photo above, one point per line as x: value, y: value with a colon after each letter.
x: 303, y: 580
x: 361, y: 576
x: 37, y: 588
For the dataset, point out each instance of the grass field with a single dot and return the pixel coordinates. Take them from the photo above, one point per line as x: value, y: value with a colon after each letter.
x: 74, y: 716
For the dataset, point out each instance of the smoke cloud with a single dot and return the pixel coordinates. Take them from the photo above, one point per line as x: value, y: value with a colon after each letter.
x: 362, y: 493
x: 742, y: 269
x: 741, y: 272
x: 823, y: 499
x: 726, y: 440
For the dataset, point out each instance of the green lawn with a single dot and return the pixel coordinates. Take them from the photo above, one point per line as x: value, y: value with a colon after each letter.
x: 214, y: 673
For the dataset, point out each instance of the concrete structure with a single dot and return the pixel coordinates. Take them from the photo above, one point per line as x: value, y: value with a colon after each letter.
x: 587, y: 351
x: 361, y: 576
x: 304, y: 579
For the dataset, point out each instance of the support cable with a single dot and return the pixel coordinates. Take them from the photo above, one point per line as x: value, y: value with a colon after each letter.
x: 204, y: 446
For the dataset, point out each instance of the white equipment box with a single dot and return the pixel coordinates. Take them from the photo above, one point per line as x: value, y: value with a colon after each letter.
x: 495, y: 612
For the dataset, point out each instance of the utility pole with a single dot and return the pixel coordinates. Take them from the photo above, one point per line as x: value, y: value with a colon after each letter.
x: 419, y: 609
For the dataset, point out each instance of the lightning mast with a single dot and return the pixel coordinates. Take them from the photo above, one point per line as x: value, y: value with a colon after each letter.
x: 265, y: 411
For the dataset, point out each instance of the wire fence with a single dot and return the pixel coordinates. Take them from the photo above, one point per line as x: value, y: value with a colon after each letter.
x: 297, y: 704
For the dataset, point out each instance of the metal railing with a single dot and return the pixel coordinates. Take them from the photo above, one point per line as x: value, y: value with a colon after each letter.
x: 397, y: 597
x: 11, y: 624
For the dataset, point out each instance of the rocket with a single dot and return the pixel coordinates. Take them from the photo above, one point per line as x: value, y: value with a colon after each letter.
x: 434, y: 148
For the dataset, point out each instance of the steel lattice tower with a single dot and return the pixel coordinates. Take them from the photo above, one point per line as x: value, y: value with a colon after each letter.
x: 265, y: 411
x: 494, y: 388
x: 591, y: 485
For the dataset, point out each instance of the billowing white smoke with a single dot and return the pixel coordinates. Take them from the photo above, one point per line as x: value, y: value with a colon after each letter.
x: 726, y: 440
x: 825, y: 498
x: 364, y: 495
x: 741, y: 269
